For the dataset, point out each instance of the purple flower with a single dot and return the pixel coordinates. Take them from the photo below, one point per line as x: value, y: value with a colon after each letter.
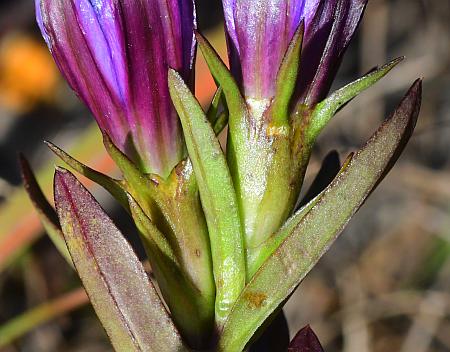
x: 115, y: 54
x: 259, y: 33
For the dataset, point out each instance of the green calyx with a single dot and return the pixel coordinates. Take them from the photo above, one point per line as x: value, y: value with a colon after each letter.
x: 259, y: 152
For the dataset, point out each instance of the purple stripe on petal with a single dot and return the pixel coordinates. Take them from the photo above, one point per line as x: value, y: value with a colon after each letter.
x: 99, y: 21
x: 115, y: 55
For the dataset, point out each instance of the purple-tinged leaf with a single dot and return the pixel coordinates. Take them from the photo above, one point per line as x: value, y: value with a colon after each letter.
x: 46, y: 213
x: 305, y: 341
x: 122, y: 295
x: 318, y: 229
x: 173, y: 206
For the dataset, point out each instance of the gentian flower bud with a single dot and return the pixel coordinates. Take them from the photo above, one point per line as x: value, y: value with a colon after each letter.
x: 260, y: 31
x: 115, y: 55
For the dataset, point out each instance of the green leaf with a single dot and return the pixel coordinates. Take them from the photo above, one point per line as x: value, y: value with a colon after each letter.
x: 213, y: 111
x: 46, y: 213
x: 114, y: 187
x: 217, y: 195
x: 220, y: 123
x: 315, y: 233
x: 287, y: 79
x: 192, y: 311
x: 325, y: 110
x: 216, y: 119
x: 122, y: 295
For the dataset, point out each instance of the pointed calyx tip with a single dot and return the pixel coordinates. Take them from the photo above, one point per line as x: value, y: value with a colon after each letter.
x: 60, y: 171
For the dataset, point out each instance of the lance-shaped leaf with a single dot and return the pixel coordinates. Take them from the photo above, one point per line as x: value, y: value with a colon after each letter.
x: 305, y: 341
x: 191, y: 309
x: 111, y: 185
x: 312, y: 237
x: 171, y: 205
x: 238, y: 112
x: 122, y: 295
x: 46, y: 213
x: 325, y: 110
x: 217, y: 195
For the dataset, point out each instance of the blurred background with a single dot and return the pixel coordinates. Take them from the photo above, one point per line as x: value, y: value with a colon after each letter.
x: 384, y: 285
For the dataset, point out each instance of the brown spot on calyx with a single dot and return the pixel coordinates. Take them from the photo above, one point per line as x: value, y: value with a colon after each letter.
x: 255, y: 299
x: 198, y: 253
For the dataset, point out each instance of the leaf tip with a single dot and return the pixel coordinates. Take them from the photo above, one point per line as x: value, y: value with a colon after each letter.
x: 51, y: 146
x: 174, y: 78
x: 199, y: 37
x: 25, y: 168
x: 62, y: 176
x: 305, y: 340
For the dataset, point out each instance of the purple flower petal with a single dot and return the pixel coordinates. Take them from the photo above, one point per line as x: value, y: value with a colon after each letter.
x: 326, y: 40
x: 115, y: 55
x: 259, y: 34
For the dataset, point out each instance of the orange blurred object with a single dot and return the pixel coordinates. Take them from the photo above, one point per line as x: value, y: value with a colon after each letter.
x: 28, y: 74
